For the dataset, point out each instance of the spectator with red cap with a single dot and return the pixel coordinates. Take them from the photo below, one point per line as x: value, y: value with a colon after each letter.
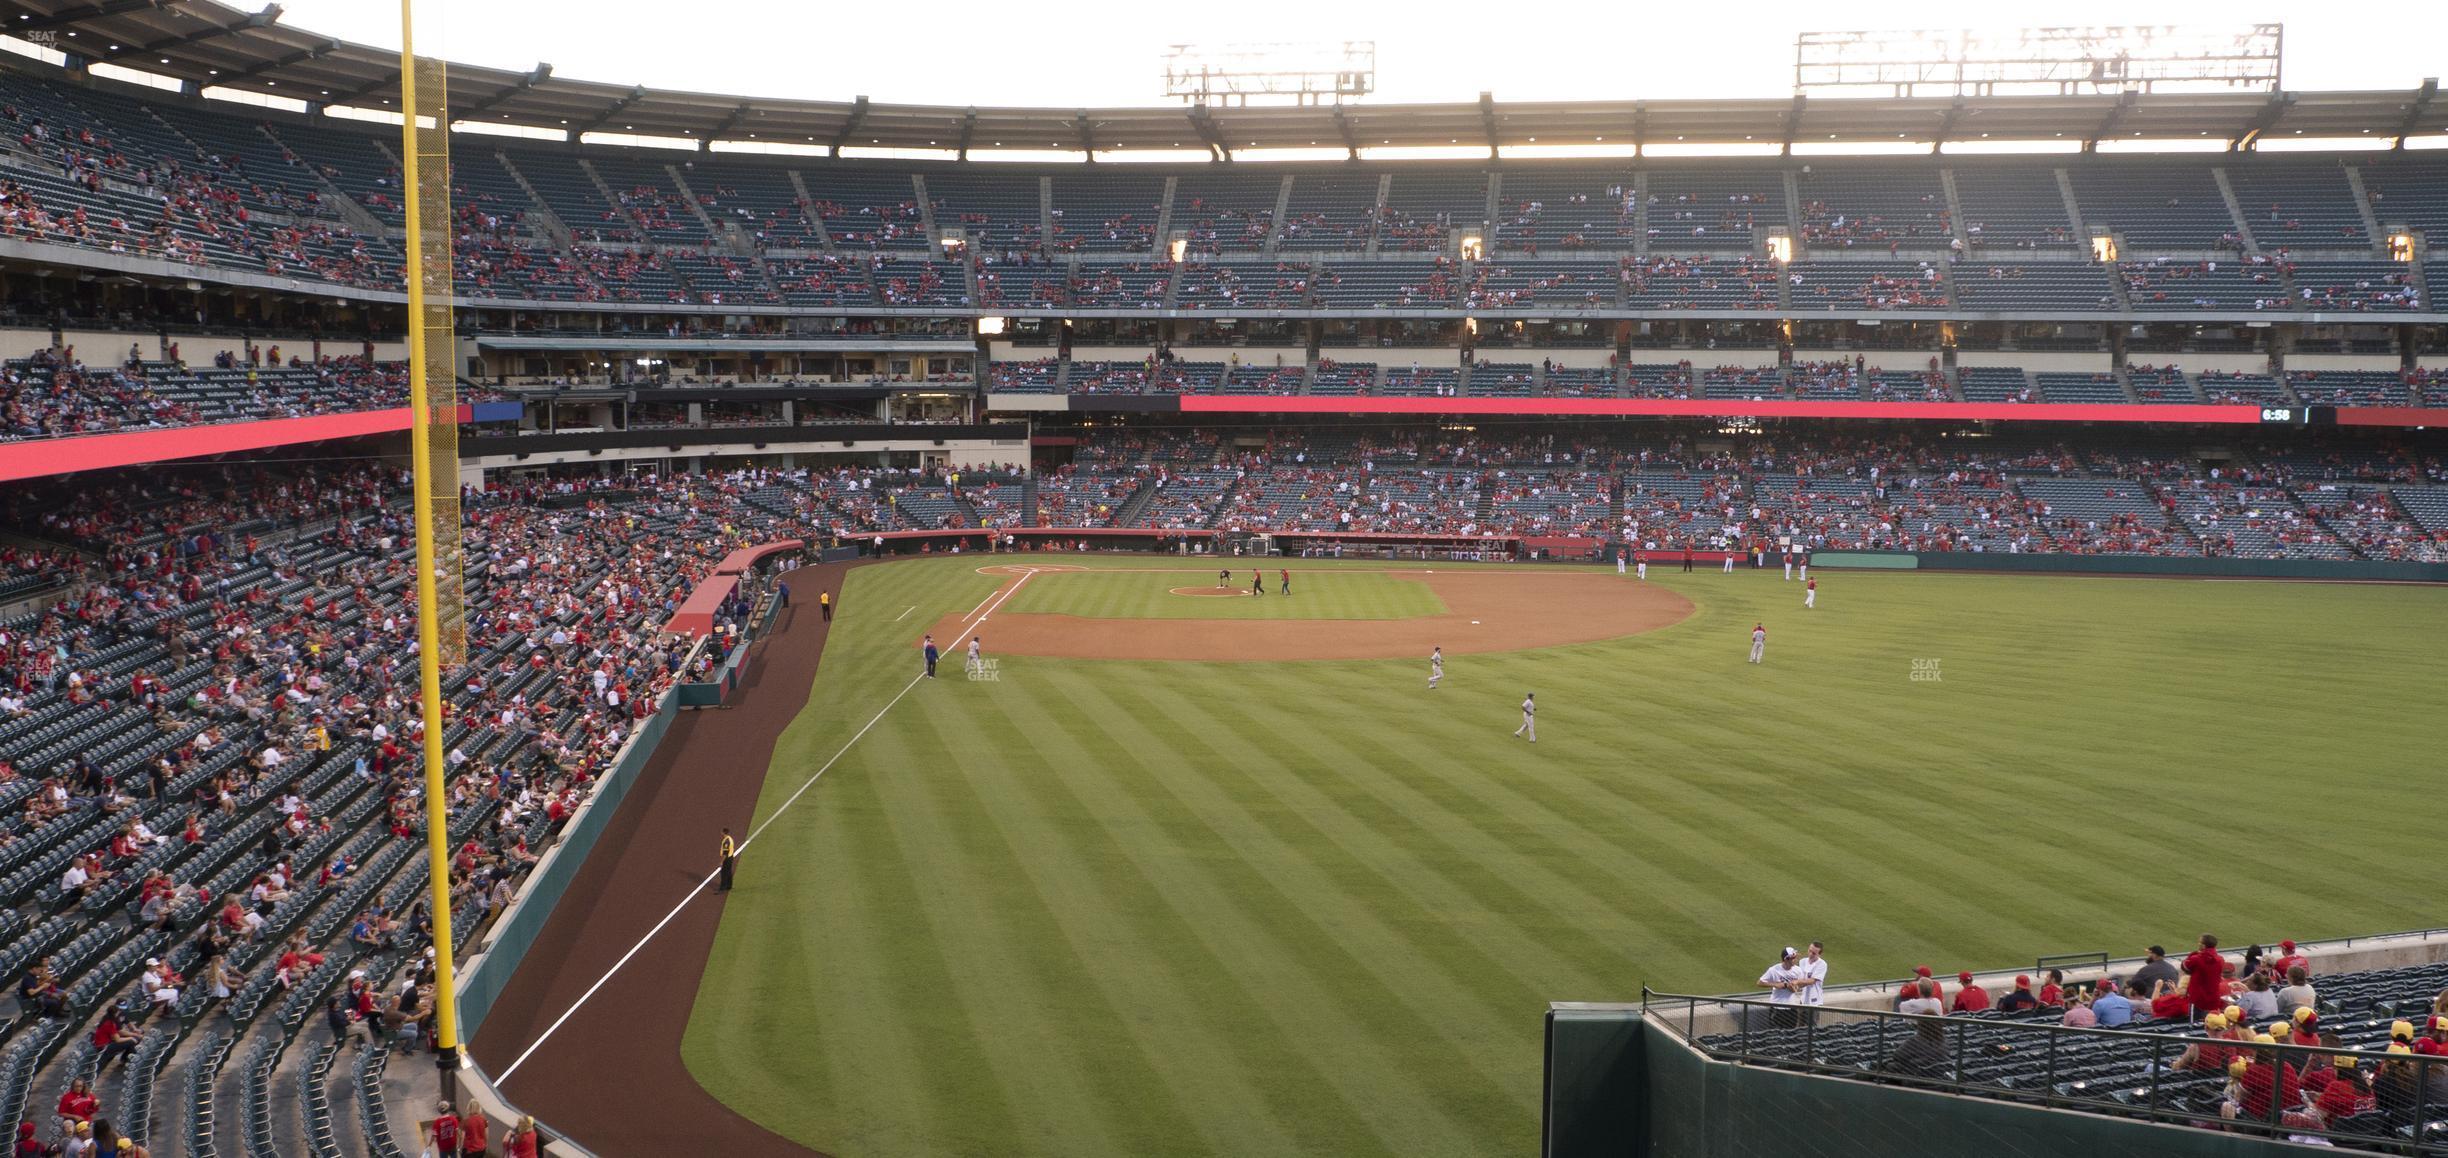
x: 1912, y: 999
x: 2110, y: 1006
x: 2019, y: 999
x: 2205, y: 977
x: 1925, y: 986
x: 1970, y: 998
x: 2326, y: 1110
x: 2434, y: 1043
x: 2287, y: 959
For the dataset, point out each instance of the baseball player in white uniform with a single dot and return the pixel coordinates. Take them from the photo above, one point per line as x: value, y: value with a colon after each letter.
x: 1436, y: 666
x: 1619, y: 562
x: 1729, y: 550
x: 1529, y: 717
x: 1759, y: 641
x: 1810, y: 593
x: 974, y: 662
x: 1643, y: 567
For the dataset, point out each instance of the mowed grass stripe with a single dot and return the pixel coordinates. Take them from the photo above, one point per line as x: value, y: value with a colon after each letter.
x: 1297, y: 901
x: 1302, y: 966
x: 1336, y: 939
x: 1401, y: 870
x: 1003, y: 949
x: 930, y: 995
x: 1277, y: 1096
x: 1373, y: 796
x: 1485, y: 798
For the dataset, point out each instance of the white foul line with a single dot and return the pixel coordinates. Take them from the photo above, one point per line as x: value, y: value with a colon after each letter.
x: 753, y: 833
x: 905, y: 614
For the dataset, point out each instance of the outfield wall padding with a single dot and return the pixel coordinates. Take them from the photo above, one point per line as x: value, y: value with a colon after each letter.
x: 1620, y: 1088
x: 2356, y: 570
x: 489, y: 973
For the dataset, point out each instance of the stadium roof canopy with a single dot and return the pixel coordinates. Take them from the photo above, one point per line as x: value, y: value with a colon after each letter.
x: 203, y: 44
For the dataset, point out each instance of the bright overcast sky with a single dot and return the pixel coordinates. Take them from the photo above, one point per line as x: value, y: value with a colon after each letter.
x: 1108, y: 52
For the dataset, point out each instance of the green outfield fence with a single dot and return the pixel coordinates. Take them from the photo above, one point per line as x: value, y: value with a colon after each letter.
x: 2359, y: 570
x: 1697, y: 1077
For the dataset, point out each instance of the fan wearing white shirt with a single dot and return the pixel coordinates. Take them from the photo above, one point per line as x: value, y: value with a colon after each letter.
x: 1784, y: 983
x: 1813, y: 967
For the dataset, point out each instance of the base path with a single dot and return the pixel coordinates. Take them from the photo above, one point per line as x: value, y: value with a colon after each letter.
x: 611, y: 1075
x: 1486, y: 610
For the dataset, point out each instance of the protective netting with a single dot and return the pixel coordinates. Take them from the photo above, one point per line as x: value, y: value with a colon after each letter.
x: 435, y: 362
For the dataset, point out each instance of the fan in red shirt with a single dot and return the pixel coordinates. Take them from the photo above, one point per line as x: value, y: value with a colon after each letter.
x: 2287, y: 958
x: 445, y: 1128
x: 1929, y: 986
x: 2263, y: 1071
x: 2205, y: 978
x: 2212, y: 1054
x: 2434, y: 1044
x: 1971, y: 998
x: 79, y: 1103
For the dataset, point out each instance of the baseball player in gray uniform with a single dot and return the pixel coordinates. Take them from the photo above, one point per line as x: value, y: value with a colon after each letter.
x: 1529, y: 717
x: 1436, y: 666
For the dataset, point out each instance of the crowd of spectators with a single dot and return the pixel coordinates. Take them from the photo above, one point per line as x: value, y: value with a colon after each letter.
x: 53, y: 393
x: 2238, y: 1009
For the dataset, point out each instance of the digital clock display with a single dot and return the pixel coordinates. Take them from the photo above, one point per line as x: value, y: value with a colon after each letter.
x: 2278, y: 414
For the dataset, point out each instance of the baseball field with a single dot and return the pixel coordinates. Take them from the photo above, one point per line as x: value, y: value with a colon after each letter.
x: 1254, y: 888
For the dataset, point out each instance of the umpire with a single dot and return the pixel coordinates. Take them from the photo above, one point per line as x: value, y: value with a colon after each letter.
x: 730, y: 860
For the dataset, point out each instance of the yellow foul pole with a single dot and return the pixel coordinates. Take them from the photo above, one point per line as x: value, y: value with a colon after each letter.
x: 429, y: 651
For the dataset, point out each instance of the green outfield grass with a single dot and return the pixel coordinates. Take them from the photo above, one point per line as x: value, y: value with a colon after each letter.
x: 1125, y: 909
x: 1108, y: 593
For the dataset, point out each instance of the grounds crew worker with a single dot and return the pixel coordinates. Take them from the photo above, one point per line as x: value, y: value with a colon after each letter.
x: 730, y: 858
x: 824, y: 602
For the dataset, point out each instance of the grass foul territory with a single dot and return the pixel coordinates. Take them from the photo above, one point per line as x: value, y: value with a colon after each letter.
x: 1118, y: 908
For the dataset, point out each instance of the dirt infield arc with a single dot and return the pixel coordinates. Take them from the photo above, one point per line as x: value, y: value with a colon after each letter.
x: 1486, y: 610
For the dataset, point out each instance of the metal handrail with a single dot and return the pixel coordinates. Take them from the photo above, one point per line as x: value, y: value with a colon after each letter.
x: 2117, y: 965
x: 2163, y: 1047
